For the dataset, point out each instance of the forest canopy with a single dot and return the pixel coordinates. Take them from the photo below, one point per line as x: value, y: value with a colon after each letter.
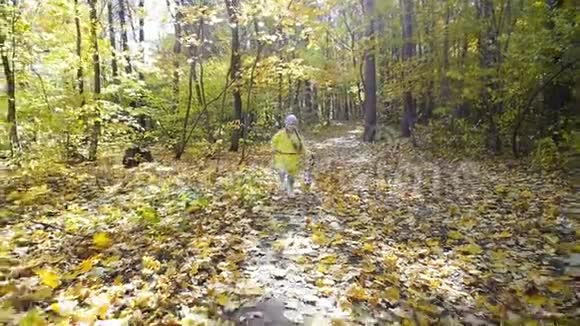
x: 486, y: 76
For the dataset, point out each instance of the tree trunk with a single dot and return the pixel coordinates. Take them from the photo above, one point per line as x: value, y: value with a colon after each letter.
x: 80, y: 82
x: 370, y: 76
x: 558, y: 93
x: 429, y: 53
x: 124, y: 38
x: 112, y: 39
x: 180, y: 148
x: 232, y: 7
x: 408, y: 54
x: 249, y: 122
x: 296, y: 102
x: 280, y: 100
x: 142, y: 34
x: 96, y: 128
x: 446, y: 87
x: 489, y: 59
x: 9, y: 73
x: 176, y: 54
x: 346, y: 105
x: 310, y: 114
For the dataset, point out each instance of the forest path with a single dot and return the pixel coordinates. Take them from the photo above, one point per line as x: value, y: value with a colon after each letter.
x: 386, y: 234
x: 390, y: 234
x: 284, y: 264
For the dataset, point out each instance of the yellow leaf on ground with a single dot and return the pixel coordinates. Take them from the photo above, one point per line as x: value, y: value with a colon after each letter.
x: 151, y: 263
x: 223, y: 299
x: 319, y: 238
x: 87, y: 265
x: 329, y: 259
x: 434, y: 283
x: 556, y: 286
x: 368, y: 247
x: 357, y: 292
x: 392, y: 295
x: 322, y: 268
x: 433, y: 243
x: 279, y: 246
x: 552, y: 239
x: 49, y: 278
x: 33, y: 318
x: 472, y: 249
x: 505, y: 234
x: 455, y: 235
x: 194, y: 269
x: 344, y: 304
x: 101, y: 240
x: 390, y: 260
x: 429, y: 308
x: 100, y: 304
x: 301, y: 260
x: 536, y: 300
x: 118, y: 280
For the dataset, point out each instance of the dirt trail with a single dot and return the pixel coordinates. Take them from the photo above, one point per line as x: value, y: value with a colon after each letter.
x: 276, y: 263
x: 413, y: 234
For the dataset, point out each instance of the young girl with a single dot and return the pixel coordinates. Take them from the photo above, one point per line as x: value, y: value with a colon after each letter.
x: 288, y: 147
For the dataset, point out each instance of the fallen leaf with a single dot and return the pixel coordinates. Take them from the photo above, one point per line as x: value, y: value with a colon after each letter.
x: 472, y: 249
x: 49, y: 278
x: 101, y: 240
x: 357, y: 292
x: 392, y: 295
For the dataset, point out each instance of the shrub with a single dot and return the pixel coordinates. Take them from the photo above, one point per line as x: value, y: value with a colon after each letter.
x: 546, y: 155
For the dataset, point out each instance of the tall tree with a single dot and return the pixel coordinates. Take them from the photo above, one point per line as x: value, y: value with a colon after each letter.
x: 489, y: 54
x: 370, y: 75
x: 142, y: 34
x: 446, y: 87
x: 232, y: 7
x: 408, y: 54
x: 311, y: 114
x: 176, y: 53
x: 124, y: 37
x: 557, y: 94
x: 8, y: 25
x: 80, y: 82
x: 177, y: 17
x: 96, y: 128
x: 112, y: 39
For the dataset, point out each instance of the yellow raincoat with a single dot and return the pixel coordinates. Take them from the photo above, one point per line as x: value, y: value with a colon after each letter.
x: 287, y: 152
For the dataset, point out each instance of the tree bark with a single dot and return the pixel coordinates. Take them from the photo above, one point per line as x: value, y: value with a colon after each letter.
x: 296, y: 101
x: 112, y: 39
x: 142, y: 34
x: 176, y: 54
x: 489, y: 50
x: 232, y: 7
x: 558, y: 93
x: 409, y: 114
x: 180, y: 149
x: 311, y: 114
x: 96, y: 128
x: 124, y: 37
x: 446, y: 87
x: 280, y: 100
x: 9, y: 73
x: 80, y: 82
x: 370, y: 76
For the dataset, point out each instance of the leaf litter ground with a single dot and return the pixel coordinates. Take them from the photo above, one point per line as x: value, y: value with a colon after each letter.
x: 387, y: 234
